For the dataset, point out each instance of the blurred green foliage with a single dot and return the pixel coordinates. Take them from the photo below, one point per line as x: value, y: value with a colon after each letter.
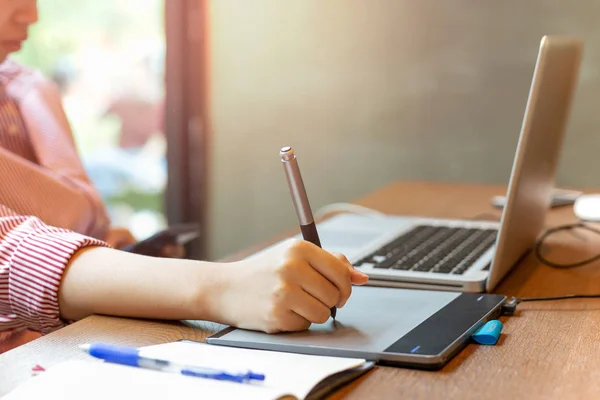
x: 65, y: 25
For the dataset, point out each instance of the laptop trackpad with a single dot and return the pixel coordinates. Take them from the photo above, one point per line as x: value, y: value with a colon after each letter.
x: 349, y: 234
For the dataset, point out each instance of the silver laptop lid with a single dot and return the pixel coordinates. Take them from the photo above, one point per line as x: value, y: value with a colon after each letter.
x: 533, y: 174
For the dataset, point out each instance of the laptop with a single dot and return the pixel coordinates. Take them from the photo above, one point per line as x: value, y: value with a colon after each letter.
x: 471, y: 255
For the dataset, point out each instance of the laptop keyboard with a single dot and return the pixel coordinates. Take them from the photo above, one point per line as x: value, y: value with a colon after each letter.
x: 440, y: 249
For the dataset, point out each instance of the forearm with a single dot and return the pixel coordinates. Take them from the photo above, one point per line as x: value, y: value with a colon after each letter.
x: 111, y: 282
x: 54, y: 276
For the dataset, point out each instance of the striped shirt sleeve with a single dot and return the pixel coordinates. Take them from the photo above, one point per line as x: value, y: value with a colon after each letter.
x: 33, y: 257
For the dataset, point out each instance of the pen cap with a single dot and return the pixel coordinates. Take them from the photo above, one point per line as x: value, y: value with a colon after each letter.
x: 296, y: 185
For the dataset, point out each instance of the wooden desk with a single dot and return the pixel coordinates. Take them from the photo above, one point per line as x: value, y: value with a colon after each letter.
x: 549, y: 350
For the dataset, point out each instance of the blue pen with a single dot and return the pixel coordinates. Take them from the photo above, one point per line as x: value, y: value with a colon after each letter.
x: 125, y: 355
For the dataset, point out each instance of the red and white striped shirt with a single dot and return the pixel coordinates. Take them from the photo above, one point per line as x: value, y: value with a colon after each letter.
x: 48, y: 207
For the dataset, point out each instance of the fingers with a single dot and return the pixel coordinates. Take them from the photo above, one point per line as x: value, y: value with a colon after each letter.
x: 300, y: 311
x: 308, y: 307
x: 292, y: 309
x: 356, y: 277
x: 315, y: 285
x: 119, y: 237
x: 330, y: 267
x: 293, y: 322
x: 173, y: 251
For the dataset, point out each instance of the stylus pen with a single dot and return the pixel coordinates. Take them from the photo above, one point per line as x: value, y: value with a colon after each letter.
x: 300, y: 200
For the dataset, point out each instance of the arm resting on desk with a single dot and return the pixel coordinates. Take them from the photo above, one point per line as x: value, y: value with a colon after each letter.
x: 50, y: 275
x: 33, y: 256
x: 285, y: 289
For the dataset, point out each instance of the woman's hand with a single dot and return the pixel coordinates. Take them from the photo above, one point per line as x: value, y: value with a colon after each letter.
x: 173, y: 251
x: 119, y: 237
x: 286, y: 288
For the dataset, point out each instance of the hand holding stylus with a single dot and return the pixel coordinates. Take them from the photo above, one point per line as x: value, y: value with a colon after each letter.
x: 285, y: 288
x: 300, y: 200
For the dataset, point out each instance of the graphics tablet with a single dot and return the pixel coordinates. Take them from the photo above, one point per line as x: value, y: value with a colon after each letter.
x: 413, y: 328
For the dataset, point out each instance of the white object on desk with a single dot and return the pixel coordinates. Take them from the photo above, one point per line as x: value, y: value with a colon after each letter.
x: 587, y: 207
x: 288, y: 376
x: 560, y: 197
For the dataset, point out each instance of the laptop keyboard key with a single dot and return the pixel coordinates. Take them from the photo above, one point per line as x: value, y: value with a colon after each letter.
x: 437, y: 249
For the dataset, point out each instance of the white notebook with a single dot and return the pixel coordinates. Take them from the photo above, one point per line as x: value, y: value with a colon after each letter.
x: 287, y: 376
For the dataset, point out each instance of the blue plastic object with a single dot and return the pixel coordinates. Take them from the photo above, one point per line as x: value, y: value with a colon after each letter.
x: 488, y: 333
x: 115, y: 354
x: 131, y: 356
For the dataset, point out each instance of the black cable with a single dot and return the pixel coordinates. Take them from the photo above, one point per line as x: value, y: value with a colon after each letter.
x: 565, y: 297
x: 540, y: 242
x: 510, y: 306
